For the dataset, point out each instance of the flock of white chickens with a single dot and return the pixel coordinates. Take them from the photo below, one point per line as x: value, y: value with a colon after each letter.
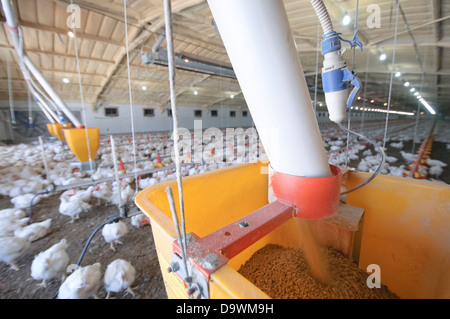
x: 399, y: 133
x: 22, y: 177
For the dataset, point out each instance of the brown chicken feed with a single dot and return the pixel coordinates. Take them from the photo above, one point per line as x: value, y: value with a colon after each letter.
x: 284, y: 273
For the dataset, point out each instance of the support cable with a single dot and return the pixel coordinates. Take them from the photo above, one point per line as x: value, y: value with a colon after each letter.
x: 131, y: 96
x: 392, y: 76
x: 170, y: 57
x: 81, y: 93
x: 383, y: 158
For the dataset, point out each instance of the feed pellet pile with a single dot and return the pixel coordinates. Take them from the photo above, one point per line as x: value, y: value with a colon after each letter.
x: 284, y: 273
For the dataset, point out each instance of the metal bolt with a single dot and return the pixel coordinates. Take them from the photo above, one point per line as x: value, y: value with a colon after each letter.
x: 211, y: 261
x: 243, y: 224
x: 189, y: 238
x: 174, y: 267
x: 191, y: 290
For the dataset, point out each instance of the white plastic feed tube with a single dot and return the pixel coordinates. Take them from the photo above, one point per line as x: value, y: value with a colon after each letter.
x: 261, y: 48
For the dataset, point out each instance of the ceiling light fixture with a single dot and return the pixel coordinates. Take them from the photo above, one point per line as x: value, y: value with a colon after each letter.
x: 406, y: 84
x: 383, y: 57
x: 398, y: 74
x: 428, y: 106
x: 346, y: 20
x: 373, y: 101
x: 412, y: 90
x: 71, y: 34
x: 143, y: 88
x: 195, y: 92
x: 66, y: 80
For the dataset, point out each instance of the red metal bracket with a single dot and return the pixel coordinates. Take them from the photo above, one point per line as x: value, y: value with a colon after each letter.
x: 214, y: 250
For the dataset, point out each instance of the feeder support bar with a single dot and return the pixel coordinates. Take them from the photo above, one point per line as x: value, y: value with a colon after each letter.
x: 232, y: 239
x: 26, y: 64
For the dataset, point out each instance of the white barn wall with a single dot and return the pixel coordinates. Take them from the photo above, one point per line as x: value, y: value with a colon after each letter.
x: 160, y: 121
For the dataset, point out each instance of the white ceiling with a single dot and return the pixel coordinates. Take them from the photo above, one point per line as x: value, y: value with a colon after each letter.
x: 422, y: 50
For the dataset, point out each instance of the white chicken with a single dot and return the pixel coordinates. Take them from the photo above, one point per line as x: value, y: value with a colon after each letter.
x: 432, y: 162
x: 83, y: 283
x: 24, y: 201
x: 139, y: 220
x: 408, y: 156
x: 51, y: 263
x: 7, y: 225
x: 398, y: 145
x: 113, y: 232
x: 11, y: 248
x: 33, y: 231
x: 435, y: 171
x: 9, y: 218
x: 147, y: 182
x: 74, y: 205
x: 12, y: 213
x: 126, y: 194
x: 103, y: 191
x: 119, y: 275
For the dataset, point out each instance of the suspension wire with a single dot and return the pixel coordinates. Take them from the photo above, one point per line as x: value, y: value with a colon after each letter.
x: 30, y: 114
x: 348, y: 138
x: 355, y: 29
x: 317, y: 66
x: 171, y: 63
x: 74, y: 30
x: 365, y: 90
x: 392, y: 75
x: 11, y: 102
x: 353, y: 67
x: 116, y: 174
x: 418, y: 108
x: 131, y: 97
x: 383, y: 158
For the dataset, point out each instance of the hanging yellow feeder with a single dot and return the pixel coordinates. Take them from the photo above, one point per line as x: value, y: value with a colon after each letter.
x: 56, y: 130
x: 76, y: 140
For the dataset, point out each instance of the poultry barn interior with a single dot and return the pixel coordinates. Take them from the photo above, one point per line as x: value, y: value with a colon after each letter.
x: 208, y: 149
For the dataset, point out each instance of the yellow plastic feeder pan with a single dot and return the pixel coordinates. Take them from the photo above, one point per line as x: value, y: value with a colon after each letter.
x: 56, y: 130
x: 405, y: 231
x: 77, y: 141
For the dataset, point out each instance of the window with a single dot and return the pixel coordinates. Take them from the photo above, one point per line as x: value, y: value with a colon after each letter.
x: 214, y: 113
x: 197, y: 113
x: 232, y: 113
x: 111, y: 111
x: 244, y: 113
x: 169, y: 113
x: 149, y: 112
